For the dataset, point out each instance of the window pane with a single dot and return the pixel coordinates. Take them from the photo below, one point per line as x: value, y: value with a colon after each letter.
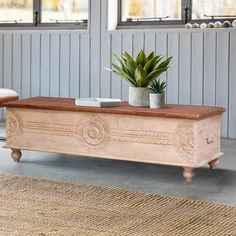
x: 216, y: 7
x: 151, y: 9
x: 64, y: 10
x: 13, y: 10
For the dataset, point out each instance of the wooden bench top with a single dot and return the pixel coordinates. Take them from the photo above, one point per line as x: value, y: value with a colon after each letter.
x: 7, y: 95
x: 169, y: 111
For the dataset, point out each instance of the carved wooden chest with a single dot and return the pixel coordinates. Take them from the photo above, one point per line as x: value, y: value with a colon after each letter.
x: 187, y: 136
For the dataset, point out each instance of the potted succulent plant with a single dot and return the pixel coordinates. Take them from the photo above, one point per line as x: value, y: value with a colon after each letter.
x: 157, y: 95
x: 139, y: 72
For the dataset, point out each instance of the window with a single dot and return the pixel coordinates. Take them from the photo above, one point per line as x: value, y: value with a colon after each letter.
x: 64, y: 10
x: 151, y: 9
x: 16, y: 11
x: 202, y: 9
x: 44, y: 13
x: 169, y: 12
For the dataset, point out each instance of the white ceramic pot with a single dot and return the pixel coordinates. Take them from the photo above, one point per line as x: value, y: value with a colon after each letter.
x: 157, y: 100
x: 139, y: 97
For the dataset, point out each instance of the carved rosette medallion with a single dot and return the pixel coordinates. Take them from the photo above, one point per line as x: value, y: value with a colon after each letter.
x: 93, y: 133
x: 185, y: 141
x: 14, y: 125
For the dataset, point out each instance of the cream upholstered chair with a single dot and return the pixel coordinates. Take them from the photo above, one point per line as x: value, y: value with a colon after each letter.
x: 7, y: 95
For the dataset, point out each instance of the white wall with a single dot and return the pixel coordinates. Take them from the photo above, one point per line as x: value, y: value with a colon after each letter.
x: 69, y: 63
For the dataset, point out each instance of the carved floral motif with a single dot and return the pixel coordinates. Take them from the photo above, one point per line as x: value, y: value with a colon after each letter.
x: 185, y: 141
x: 93, y: 133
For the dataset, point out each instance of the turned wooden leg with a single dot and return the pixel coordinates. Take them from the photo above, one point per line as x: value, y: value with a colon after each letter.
x: 214, y: 164
x: 188, y: 174
x: 16, y: 154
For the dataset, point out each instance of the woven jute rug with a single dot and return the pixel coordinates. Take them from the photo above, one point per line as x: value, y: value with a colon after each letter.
x: 31, y: 206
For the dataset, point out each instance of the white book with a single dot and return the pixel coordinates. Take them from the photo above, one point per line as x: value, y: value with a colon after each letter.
x: 98, y: 102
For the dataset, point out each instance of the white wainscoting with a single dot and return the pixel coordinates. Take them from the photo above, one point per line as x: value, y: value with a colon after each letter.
x: 70, y: 63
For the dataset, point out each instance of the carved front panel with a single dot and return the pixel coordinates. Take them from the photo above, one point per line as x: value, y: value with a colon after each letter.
x: 106, y: 135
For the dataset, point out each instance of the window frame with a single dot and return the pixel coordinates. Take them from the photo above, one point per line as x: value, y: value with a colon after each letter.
x: 167, y: 23
x: 37, y: 24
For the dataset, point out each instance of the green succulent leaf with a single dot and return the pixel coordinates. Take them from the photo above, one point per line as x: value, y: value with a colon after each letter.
x: 165, y: 63
x: 140, y: 76
x: 141, y: 58
x: 151, y: 56
x: 127, y: 56
x: 154, y: 74
x: 124, y: 74
x: 157, y: 87
x: 130, y: 64
x: 151, y: 64
x: 159, y: 58
x: 124, y: 77
x: 122, y: 63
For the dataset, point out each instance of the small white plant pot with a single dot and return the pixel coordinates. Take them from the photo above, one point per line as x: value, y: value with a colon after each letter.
x: 157, y: 100
x: 139, y: 97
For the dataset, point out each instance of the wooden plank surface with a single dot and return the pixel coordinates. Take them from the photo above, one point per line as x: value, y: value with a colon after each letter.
x: 105, y: 52
x: 232, y: 87
x: 222, y: 77
x: 138, y: 43
x: 150, y: 42
x: 36, y: 64
x: 64, y: 64
x: 7, y: 61
x: 95, y: 53
x: 172, y: 94
x: 127, y: 46
x: 17, y: 55
x: 74, y: 65
x: 45, y: 65
x: 55, y: 64
x: 115, y: 79
x: 209, y: 95
x: 161, y: 49
x: 26, y: 68
x: 197, y: 69
x: 185, y: 68
x: 85, y: 66
x: 169, y: 111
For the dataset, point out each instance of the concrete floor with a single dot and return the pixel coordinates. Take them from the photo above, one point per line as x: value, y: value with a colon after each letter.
x: 214, y: 186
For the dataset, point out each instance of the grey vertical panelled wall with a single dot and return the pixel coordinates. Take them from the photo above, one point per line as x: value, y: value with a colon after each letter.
x: 70, y: 63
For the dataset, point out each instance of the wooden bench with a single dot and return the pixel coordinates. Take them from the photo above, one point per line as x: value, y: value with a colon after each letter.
x: 186, y: 136
x: 7, y: 95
